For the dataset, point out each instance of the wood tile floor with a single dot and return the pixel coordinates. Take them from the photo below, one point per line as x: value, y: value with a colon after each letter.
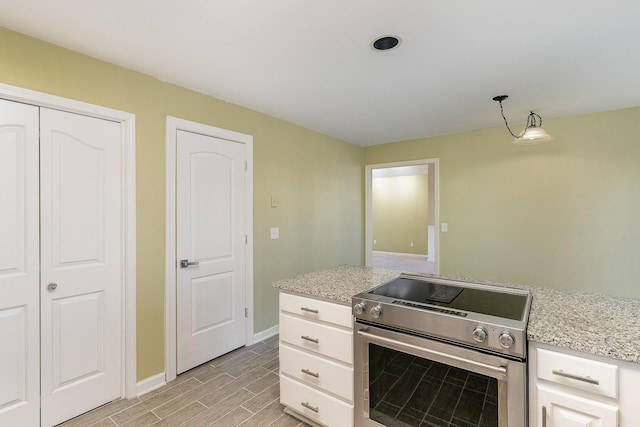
x: 240, y: 388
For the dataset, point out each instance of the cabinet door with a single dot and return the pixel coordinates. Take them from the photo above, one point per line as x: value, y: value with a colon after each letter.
x: 566, y: 410
x: 19, y: 266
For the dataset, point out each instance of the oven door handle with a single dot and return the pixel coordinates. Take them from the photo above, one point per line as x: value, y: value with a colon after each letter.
x: 495, y: 371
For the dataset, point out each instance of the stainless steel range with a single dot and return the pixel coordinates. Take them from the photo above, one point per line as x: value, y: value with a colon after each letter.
x: 436, y: 352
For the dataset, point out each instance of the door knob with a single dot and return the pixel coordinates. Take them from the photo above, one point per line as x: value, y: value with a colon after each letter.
x: 184, y: 263
x: 52, y: 286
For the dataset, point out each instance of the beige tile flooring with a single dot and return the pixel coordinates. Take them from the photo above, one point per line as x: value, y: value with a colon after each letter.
x: 240, y: 388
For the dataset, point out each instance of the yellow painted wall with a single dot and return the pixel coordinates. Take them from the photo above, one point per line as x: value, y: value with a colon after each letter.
x: 562, y: 215
x: 399, y: 212
x: 317, y: 179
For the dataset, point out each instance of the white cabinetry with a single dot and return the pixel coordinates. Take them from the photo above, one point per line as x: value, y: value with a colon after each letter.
x: 569, y: 388
x: 316, y: 360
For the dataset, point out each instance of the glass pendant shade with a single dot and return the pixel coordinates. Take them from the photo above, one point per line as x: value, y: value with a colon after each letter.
x: 533, y: 135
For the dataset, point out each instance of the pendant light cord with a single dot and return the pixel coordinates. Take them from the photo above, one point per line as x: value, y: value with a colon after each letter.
x: 507, y: 124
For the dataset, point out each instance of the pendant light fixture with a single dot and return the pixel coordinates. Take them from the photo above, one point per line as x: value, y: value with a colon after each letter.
x: 532, y: 133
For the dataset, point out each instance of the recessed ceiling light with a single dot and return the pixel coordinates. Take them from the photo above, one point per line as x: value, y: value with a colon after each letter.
x: 385, y: 43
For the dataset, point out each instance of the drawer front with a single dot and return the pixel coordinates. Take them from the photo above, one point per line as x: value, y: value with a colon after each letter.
x: 317, y: 337
x: 314, y: 309
x: 315, y: 405
x: 577, y: 372
x: 325, y: 374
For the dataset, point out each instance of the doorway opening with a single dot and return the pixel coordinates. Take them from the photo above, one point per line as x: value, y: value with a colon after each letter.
x: 401, y: 217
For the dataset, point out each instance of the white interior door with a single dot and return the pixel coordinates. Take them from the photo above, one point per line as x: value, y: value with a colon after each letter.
x: 81, y: 263
x: 19, y: 266
x: 210, y: 235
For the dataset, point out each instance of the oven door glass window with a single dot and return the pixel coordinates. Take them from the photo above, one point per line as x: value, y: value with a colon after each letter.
x: 406, y: 390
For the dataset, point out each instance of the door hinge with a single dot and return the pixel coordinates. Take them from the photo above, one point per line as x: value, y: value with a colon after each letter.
x: 245, y: 166
x: 246, y: 312
x: 246, y: 239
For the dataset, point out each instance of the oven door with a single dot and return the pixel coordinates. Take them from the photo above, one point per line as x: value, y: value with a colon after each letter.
x: 406, y: 380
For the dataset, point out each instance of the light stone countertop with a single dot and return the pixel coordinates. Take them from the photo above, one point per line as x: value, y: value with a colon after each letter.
x: 337, y: 284
x: 602, y: 325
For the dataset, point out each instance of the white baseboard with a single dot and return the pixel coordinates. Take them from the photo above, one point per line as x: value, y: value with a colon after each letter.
x: 400, y: 254
x: 267, y: 333
x: 150, y: 384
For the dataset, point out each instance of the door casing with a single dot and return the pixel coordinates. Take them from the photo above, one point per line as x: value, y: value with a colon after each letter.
x: 173, y: 124
x: 127, y: 123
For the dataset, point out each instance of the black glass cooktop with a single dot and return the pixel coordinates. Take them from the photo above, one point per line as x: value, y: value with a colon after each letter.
x: 492, y: 303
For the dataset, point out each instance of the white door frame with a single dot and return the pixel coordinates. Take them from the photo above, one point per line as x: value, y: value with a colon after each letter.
x: 173, y: 125
x: 368, y: 249
x: 127, y: 122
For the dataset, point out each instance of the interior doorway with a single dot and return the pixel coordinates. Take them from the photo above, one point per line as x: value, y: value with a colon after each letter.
x: 402, y: 213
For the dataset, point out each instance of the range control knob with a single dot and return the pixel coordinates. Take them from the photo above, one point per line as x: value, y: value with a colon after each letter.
x: 480, y: 334
x: 376, y: 311
x: 506, y: 339
x: 360, y: 308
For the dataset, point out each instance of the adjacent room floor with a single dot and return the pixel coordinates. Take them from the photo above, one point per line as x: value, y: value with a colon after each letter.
x: 405, y: 262
x: 240, y: 388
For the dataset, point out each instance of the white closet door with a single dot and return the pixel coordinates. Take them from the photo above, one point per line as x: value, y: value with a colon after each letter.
x: 81, y: 262
x: 19, y: 266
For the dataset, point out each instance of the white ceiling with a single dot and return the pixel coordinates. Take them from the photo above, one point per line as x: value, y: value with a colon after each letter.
x: 310, y: 62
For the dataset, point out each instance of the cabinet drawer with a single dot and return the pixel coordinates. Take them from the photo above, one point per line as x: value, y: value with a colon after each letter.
x: 308, y: 368
x: 317, y: 337
x: 577, y: 372
x: 314, y: 404
x: 317, y: 310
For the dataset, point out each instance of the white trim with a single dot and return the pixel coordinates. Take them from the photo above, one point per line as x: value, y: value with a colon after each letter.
x: 400, y: 254
x: 267, y: 333
x: 368, y: 206
x: 173, y: 124
x: 127, y: 121
x: 149, y: 384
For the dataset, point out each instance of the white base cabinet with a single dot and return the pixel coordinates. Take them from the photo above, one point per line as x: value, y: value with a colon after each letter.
x: 316, y: 360
x: 572, y: 389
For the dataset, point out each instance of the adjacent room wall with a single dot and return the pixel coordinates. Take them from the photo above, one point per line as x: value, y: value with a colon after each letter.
x: 318, y: 180
x: 562, y: 214
x: 399, y: 210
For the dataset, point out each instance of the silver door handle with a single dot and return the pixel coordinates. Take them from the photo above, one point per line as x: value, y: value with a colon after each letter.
x: 561, y: 373
x: 184, y: 263
x: 308, y: 406
x: 309, y: 310
x: 544, y: 416
x: 308, y: 372
x: 52, y: 286
x: 308, y: 338
x: 494, y: 371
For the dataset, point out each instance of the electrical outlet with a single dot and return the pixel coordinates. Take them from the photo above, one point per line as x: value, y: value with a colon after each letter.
x: 275, y: 233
